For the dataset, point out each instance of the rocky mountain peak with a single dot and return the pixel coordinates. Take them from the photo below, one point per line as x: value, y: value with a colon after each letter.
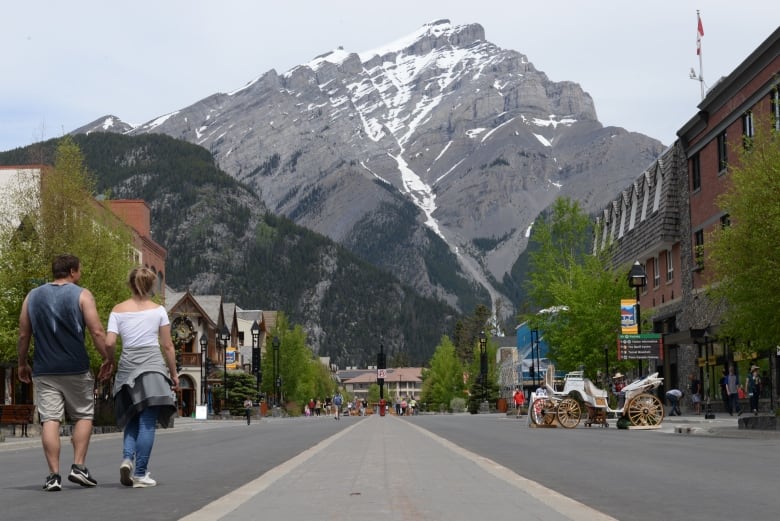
x: 430, y: 156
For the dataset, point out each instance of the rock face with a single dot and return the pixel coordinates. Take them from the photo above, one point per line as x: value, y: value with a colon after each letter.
x: 431, y: 157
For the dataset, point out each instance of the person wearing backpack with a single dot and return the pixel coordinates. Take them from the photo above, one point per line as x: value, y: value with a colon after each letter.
x: 337, y: 401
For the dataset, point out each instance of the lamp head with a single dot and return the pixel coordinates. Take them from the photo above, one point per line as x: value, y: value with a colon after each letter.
x: 637, y: 277
x: 224, y: 334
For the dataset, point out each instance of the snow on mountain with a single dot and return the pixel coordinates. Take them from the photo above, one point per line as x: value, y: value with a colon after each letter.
x: 474, y: 136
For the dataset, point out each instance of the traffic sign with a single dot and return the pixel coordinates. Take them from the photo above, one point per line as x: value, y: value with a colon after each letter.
x: 381, y: 374
x: 643, y: 346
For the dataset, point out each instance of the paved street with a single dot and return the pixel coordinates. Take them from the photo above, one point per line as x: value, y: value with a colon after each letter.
x: 425, y: 467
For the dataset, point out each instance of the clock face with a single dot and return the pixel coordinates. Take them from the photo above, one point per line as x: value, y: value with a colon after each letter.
x: 182, y: 331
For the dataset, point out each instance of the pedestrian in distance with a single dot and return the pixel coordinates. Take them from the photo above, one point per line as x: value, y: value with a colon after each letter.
x: 732, y: 388
x: 337, y: 401
x: 724, y: 389
x: 248, y: 409
x: 695, y: 393
x: 674, y: 396
x: 55, y: 315
x: 753, y: 386
x: 619, y: 382
x: 519, y: 399
x: 143, y: 387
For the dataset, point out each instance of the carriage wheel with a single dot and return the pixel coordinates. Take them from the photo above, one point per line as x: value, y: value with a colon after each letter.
x: 569, y: 413
x: 645, y: 410
x: 542, y: 411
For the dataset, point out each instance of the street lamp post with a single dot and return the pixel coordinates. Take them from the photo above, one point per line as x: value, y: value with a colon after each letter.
x: 381, y: 364
x: 535, y: 354
x: 257, y: 366
x: 483, y: 370
x: 224, y: 336
x: 637, y: 278
x: 204, y: 347
x: 277, y: 378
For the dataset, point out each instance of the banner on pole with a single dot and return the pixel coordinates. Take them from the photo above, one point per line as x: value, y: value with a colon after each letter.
x: 628, y: 324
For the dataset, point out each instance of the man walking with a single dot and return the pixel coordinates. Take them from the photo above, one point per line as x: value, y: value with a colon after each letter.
x: 55, y: 315
x: 248, y: 409
x: 337, y: 401
x: 733, y: 392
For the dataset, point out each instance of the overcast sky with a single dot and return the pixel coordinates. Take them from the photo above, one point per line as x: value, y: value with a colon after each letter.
x: 65, y: 64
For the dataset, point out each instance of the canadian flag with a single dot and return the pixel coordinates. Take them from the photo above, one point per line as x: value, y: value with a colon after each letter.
x: 699, y: 34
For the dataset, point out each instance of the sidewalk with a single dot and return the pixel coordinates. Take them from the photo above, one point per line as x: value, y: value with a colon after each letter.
x: 396, y: 471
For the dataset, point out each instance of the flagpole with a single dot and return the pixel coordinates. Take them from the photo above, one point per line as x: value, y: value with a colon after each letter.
x: 699, y: 34
x: 700, y: 31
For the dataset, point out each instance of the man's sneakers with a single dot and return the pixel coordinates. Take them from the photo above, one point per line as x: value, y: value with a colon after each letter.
x: 143, y: 481
x: 126, y: 473
x: 79, y: 474
x: 53, y: 483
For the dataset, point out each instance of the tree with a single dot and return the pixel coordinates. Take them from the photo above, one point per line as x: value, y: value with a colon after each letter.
x: 581, y: 291
x: 745, y: 255
x: 373, y: 393
x: 53, y: 214
x: 467, y: 331
x: 303, y: 376
x: 444, y: 380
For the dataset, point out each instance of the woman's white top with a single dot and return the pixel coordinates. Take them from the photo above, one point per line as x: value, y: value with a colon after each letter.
x: 138, y: 328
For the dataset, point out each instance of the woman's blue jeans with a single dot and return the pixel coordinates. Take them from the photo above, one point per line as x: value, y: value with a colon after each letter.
x: 139, y: 439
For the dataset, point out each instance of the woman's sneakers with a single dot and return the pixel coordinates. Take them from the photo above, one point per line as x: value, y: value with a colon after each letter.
x: 126, y: 472
x: 143, y: 481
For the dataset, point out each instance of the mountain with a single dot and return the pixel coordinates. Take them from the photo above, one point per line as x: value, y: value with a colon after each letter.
x: 105, y: 124
x: 221, y: 239
x: 430, y: 157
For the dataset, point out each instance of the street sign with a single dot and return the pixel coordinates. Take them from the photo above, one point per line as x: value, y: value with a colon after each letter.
x: 643, y: 346
x: 381, y: 374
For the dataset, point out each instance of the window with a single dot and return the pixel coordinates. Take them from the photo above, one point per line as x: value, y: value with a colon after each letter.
x: 695, y: 173
x: 722, y: 152
x: 698, y: 250
x: 725, y: 221
x: 748, y: 130
x: 774, y: 103
x: 656, y: 273
x: 669, y: 266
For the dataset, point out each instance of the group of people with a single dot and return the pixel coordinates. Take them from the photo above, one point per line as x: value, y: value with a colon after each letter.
x: 731, y: 392
x: 405, y: 407
x: 56, y: 315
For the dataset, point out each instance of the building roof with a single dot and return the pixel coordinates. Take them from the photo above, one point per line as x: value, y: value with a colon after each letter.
x: 402, y: 374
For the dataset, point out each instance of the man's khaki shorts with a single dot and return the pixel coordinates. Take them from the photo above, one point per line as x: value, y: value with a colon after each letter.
x: 71, y: 394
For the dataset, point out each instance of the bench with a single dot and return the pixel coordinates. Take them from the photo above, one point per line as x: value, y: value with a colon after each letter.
x: 17, y: 414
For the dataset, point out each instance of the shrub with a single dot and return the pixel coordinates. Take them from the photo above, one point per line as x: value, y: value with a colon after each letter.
x: 458, y: 405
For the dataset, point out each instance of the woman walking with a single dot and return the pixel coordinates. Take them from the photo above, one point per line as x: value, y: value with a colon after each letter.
x: 143, y: 387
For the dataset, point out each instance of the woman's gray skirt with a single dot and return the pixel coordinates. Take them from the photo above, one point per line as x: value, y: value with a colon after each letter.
x: 150, y: 389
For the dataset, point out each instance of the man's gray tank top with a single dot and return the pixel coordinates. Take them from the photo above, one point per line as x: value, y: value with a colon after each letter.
x: 58, y: 329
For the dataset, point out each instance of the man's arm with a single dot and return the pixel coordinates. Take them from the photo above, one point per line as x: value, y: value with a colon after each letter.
x: 23, y: 345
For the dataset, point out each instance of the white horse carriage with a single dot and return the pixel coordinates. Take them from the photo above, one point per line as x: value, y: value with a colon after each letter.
x: 641, y: 408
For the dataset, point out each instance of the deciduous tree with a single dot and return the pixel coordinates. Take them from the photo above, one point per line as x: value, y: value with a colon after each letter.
x: 745, y: 255
x: 52, y: 214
